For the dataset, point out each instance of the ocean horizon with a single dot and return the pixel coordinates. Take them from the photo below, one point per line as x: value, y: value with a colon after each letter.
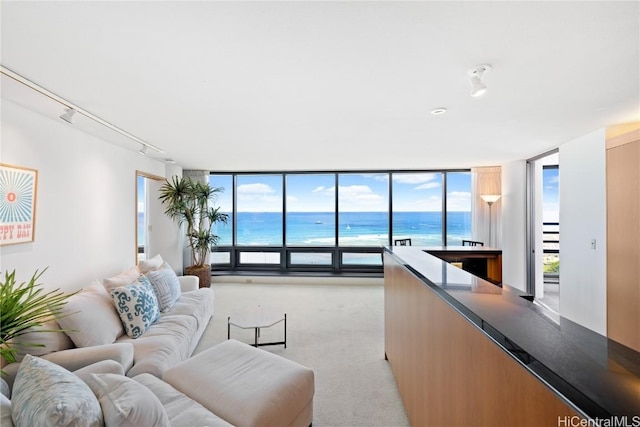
x: 354, y: 228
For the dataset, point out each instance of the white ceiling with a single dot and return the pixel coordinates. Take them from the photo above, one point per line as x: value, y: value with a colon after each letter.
x: 332, y: 85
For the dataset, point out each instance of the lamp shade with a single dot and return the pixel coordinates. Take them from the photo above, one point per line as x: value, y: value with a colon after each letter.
x: 490, y: 198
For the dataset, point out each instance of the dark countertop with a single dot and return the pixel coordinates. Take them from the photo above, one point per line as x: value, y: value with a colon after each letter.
x: 598, y: 376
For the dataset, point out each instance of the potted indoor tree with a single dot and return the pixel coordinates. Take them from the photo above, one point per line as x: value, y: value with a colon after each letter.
x: 190, y: 202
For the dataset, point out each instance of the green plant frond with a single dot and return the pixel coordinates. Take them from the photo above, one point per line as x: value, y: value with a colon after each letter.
x: 188, y: 202
x: 25, y: 306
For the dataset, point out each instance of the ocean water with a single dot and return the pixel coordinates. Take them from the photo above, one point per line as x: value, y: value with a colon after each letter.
x: 354, y: 228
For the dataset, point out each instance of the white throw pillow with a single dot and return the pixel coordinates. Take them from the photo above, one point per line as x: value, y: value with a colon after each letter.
x: 166, y: 285
x: 126, y: 402
x: 154, y: 263
x: 45, y: 394
x: 90, y: 317
x: 48, y: 342
x: 122, y: 279
x: 137, y: 306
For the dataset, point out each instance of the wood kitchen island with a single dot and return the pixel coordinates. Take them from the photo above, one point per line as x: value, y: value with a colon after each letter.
x: 464, y: 351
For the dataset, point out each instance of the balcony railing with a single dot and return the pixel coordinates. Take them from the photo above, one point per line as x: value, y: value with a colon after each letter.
x: 551, y: 251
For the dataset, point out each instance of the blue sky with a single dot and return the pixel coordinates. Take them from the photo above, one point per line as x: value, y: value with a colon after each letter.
x: 359, y: 192
x: 550, y: 200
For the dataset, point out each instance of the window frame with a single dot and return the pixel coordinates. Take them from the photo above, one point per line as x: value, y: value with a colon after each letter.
x: 337, y: 265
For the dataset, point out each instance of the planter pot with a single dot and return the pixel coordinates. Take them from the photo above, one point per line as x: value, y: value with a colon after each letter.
x: 203, y: 273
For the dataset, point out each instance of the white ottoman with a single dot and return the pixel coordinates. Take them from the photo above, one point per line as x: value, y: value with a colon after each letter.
x: 247, y: 386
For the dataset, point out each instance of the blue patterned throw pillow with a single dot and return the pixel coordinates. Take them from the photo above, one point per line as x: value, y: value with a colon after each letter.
x: 137, y: 306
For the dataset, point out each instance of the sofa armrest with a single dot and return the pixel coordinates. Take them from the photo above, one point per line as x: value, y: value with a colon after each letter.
x: 189, y: 283
x: 77, y: 358
x: 103, y: 367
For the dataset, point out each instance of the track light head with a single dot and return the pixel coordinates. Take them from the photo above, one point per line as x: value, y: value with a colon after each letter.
x: 68, y: 114
x: 144, y: 150
x: 475, y: 78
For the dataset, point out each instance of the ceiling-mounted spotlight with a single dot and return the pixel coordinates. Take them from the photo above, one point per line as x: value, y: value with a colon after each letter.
x: 144, y: 150
x: 475, y: 77
x: 67, y: 116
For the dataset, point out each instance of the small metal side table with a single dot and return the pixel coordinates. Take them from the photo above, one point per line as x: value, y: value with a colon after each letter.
x: 257, y: 319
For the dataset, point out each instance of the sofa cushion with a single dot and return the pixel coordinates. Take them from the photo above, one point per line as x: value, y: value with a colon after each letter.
x: 47, y: 340
x: 126, y: 402
x: 166, y: 343
x: 225, y: 377
x: 90, y: 318
x: 137, y: 306
x: 181, y: 409
x: 166, y: 286
x: 198, y: 303
x: 122, y: 279
x: 47, y: 394
x: 147, y: 265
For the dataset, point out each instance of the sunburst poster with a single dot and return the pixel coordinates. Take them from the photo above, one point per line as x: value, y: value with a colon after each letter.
x: 18, y: 187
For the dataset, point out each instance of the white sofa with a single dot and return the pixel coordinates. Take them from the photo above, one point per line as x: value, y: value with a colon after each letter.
x: 174, y: 336
x: 135, y: 406
x: 153, y: 374
x: 169, y: 340
x: 230, y: 384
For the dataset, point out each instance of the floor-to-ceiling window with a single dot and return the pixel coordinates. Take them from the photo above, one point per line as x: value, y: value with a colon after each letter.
x: 417, y: 207
x: 458, y: 207
x: 224, y: 200
x: 336, y: 221
x: 310, y: 219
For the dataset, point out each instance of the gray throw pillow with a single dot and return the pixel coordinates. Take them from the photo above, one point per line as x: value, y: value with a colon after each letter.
x: 45, y: 394
x: 166, y: 285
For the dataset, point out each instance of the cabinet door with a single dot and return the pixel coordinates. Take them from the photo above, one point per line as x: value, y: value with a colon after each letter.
x: 623, y: 243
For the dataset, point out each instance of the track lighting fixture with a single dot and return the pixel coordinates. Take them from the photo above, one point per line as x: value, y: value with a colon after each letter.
x: 68, y: 114
x: 475, y: 77
x: 71, y: 109
x: 144, y: 150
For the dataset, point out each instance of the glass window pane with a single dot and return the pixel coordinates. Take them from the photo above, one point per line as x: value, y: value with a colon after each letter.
x: 259, y: 204
x: 311, y: 258
x: 365, y: 259
x: 223, y: 257
x: 311, y: 210
x: 458, y: 207
x: 417, y: 208
x: 259, y: 257
x: 363, y: 209
x: 225, y: 201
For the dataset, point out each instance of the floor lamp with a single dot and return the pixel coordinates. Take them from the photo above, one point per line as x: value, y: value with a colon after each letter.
x: 490, y: 199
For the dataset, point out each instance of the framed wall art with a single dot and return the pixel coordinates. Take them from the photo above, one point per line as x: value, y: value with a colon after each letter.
x: 18, y: 187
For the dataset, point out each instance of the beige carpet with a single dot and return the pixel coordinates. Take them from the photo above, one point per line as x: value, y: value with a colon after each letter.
x: 336, y: 330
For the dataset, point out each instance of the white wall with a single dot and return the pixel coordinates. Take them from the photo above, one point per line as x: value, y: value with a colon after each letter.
x: 513, y: 207
x: 85, y: 207
x: 583, y: 292
x: 583, y: 270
